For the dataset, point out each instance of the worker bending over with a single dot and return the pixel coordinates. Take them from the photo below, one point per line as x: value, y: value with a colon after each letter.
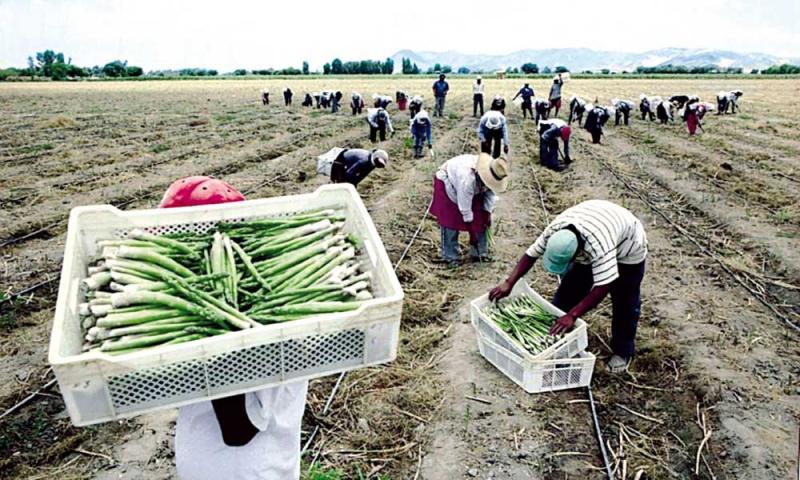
x: 492, y: 130
x: 549, y: 133
x: 354, y: 164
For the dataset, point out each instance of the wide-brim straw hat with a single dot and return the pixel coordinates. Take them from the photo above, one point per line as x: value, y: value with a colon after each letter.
x: 494, y: 172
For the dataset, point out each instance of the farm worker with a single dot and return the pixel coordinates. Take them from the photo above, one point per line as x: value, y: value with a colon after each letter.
x: 307, y: 100
x: 354, y: 164
x: 595, y: 121
x: 663, y: 110
x: 477, y: 96
x: 287, y: 97
x: 421, y: 132
x: 623, y: 110
x: 693, y: 116
x: 541, y: 108
x: 646, y: 108
x: 356, y: 103
x: 680, y: 101
x: 498, y: 104
x: 597, y: 248
x: 265, y: 97
x: 577, y: 106
x: 415, y: 106
x: 464, y: 195
x: 253, y: 435
x: 440, y: 89
x: 325, y: 99
x: 492, y: 130
x: 379, y: 121
x: 335, y: 99
x: 527, y: 93
x: 549, y: 133
x: 555, y: 94
x: 728, y: 99
x: 381, y: 101
x: 402, y: 100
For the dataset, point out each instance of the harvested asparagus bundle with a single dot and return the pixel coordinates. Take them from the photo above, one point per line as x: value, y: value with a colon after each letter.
x: 149, y: 290
x: 526, y: 321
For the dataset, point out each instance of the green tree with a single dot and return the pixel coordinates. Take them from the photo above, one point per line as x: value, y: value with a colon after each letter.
x: 240, y: 72
x: 546, y: 69
x: 388, y: 67
x: 134, y: 71
x: 45, y: 61
x: 437, y: 67
x: 463, y: 70
x: 115, y: 69
x: 305, y: 67
x: 336, y: 67
x: 326, y: 69
x: 415, y: 69
x: 561, y: 69
x: 529, y: 68
x: 31, y: 67
x: 446, y: 69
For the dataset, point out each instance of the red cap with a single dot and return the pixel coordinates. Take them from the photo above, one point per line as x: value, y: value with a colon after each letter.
x: 565, y: 132
x: 192, y: 191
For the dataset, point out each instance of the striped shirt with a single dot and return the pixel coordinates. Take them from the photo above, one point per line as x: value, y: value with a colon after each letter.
x: 611, y: 235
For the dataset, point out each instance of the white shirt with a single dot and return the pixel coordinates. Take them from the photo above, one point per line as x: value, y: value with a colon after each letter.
x: 611, y: 234
x: 460, y: 177
x: 273, y: 454
x: 554, y: 121
x: 478, y: 88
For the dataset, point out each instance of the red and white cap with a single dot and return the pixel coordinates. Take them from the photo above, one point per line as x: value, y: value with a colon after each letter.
x: 199, y: 190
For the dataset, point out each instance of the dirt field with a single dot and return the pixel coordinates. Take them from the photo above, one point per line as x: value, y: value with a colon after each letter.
x: 718, y: 339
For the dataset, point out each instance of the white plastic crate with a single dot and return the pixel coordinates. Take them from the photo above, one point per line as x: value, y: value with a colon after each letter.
x: 536, y: 376
x: 571, y: 344
x: 98, y: 387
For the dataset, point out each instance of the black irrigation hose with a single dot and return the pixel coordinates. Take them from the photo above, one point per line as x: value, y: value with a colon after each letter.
x: 599, y: 434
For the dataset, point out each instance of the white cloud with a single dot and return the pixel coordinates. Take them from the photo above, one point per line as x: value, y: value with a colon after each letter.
x: 235, y: 33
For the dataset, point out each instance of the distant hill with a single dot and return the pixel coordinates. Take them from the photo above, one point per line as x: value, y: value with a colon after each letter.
x: 580, y: 59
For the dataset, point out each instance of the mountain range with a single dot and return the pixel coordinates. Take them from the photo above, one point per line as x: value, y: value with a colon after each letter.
x: 580, y: 59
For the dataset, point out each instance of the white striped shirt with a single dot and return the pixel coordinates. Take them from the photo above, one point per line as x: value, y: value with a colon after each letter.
x: 611, y: 234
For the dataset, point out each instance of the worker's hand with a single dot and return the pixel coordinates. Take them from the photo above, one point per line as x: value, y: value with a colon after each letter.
x: 430, y: 145
x: 563, y: 324
x: 505, y: 149
x: 500, y: 291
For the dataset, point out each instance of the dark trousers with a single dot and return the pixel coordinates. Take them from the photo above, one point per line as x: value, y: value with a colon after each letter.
x: 287, y: 99
x: 626, y: 301
x: 265, y: 99
x: 419, y: 145
x: 596, y: 134
x: 356, y: 110
x: 373, y: 132
x: 548, y: 153
x: 494, y: 138
x: 622, y: 114
x: 477, y: 101
x: 527, y: 108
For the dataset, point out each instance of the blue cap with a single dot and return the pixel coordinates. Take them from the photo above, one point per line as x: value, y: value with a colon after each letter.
x: 561, y: 248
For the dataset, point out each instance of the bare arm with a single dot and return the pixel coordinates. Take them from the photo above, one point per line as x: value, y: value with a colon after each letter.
x: 595, y: 296
x: 523, y: 266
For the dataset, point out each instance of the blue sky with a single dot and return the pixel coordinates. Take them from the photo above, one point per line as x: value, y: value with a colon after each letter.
x: 233, y: 33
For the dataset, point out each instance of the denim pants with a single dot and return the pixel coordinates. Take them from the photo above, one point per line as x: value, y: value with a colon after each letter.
x: 548, y: 153
x: 477, y: 101
x: 439, y: 107
x: 626, y: 301
x: 451, y: 251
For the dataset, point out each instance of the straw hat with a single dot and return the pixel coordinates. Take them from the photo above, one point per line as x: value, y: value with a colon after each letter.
x: 493, y: 172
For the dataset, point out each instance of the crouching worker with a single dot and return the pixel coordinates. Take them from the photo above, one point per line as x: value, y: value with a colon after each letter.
x: 265, y: 97
x: 549, y: 133
x: 253, y: 435
x: 577, y: 106
x: 693, y: 116
x: 379, y: 121
x: 597, y: 248
x: 421, y: 133
x: 356, y: 103
x: 595, y: 121
x: 464, y: 195
x: 308, y: 101
x: 353, y: 165
x: 541, y: 108
x: 623, y: 110
x: 499, y: 104
x: 415, y: 106
x: 492, y: 130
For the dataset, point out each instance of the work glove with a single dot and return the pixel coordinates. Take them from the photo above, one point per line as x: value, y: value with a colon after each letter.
x: 505, y: 149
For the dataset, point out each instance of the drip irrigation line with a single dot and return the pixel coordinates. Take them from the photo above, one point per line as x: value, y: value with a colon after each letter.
x: 599, y: 434
x: 27, y: 399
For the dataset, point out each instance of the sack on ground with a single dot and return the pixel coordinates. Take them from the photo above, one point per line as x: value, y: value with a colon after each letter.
x: 325, y: 161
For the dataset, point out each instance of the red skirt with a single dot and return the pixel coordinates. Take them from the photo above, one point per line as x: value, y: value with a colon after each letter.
x: 691, y: 123
x: 449, y: 216
x: 401, y: 104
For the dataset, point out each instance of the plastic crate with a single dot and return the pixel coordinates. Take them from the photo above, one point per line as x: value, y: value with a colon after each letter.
x: 537, y: 376
x: 98, y: 387
x: 571, y: 344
